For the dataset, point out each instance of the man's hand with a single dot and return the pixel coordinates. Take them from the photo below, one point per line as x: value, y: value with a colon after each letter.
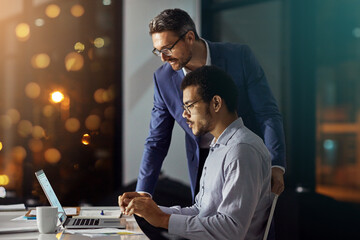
x: 277, y: 180
x: 146, y: 207
x: 125, y: 199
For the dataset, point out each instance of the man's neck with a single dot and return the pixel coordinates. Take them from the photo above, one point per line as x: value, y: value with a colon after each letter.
x: 222, y: 124
x: 198, y: 58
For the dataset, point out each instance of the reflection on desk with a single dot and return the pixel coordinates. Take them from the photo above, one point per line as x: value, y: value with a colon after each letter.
x: 6, y: 217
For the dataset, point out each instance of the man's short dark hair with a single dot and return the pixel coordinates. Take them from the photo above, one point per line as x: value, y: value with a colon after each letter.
x: 175, y: 20
x: 213, y: 81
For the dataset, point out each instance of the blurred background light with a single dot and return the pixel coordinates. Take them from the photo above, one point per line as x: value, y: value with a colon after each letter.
x: 77, y: 10
x: 79, y: 47
x: 32, y: 90
x: 14, y: 115
x: 356, y: 32
x: 52, y: 155
x: 2, y: 192
x: 56, y: 96
x: 38, y: 132
x: 18, y: 154
x: 52, y: 11
x: 99, y: 42
x: 48, y: 111
x: 22, y: 31
x: 109, y: 112
x: 35, y: 145
x: 86, y: 139
x: 74, y: 61
x: 39, y: 22
x: 24, y: 128
x: 106, y: 2
x: 98, y: 95
x: 92, y: 122
x: 41, y: 61
x: 4, y: 180
x: 1, y: 146
x: 5, y: 122
x: 72, y: 125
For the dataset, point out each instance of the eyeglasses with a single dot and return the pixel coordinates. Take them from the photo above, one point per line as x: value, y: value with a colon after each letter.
x: 188, y: 107
x: 167, y: 51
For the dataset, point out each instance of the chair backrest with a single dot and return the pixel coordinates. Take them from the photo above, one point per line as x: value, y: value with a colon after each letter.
x: 270, y: 217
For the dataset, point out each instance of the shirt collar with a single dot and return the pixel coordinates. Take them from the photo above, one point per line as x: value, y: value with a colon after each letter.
x: 228, y: 132
x: 208, y: 58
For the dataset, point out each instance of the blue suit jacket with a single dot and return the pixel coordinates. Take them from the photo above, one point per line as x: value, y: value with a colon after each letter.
x: 257, y: 107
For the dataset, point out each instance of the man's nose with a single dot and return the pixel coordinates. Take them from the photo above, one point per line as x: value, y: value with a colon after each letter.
x: 164, y: 57
x: 185, y: 114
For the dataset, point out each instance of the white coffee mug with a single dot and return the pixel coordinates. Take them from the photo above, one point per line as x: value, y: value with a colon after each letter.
x: 46, y: 218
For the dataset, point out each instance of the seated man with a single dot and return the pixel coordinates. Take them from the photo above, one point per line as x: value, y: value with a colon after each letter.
x: 234, y: 197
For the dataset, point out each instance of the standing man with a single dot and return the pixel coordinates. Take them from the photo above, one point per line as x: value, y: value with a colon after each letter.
x: 176, y: 41
x: 235, y: 195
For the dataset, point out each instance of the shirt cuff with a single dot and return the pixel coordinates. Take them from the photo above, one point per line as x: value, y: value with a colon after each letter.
x: 177, y: 224
x: 145, y: 192
x: 277, y: 166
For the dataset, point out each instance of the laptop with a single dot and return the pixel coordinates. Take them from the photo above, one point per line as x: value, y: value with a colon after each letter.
x: 74, y: 223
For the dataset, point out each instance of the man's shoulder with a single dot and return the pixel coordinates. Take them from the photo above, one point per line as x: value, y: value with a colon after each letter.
x: 164, y: 70
x: 227, y: 47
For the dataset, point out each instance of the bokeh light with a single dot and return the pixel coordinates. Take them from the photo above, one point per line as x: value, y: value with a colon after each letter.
x: 74, y: 61
x: 99, y: 42
x: 24, y: 128
x: 92, y: 122
x: 52, y: 11
x: 77, y: 10
x: 18, y: 154
x: 39, y: 22
x: 2, y: 192
x: 22, y: 31
x: 35, y: 145
x: 52, y: 155
x: 32, y: 90
x: 38, y: 132
x: 4, y: 180
x: 106, y: 2
x: 48, y: 111
x: 5, y: 122
x: 14, y: 115
x: 86, y: 139
x: 72, y: 125
x: 79, y: 47
x: 1, y: 146
x: 56, y: 96
x: 98, y: 95
x: 40, y: 61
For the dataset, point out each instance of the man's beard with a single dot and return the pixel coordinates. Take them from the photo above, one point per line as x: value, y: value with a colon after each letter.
x: 181, y: 64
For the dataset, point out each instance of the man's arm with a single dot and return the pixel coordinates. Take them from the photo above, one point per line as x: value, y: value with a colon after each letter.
x: 268, y: 117
x: 156, y: 145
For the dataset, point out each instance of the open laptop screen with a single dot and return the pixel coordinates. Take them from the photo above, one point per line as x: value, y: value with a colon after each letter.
x: 50, y: 194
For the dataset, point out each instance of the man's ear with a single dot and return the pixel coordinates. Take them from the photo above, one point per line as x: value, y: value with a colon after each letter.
x: 217, y: 103
x: 190, y: 37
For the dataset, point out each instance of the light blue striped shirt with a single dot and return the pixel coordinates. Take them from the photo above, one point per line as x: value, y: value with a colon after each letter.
x: 235, y: 196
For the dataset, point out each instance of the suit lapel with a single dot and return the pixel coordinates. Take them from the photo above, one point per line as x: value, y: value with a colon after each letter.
x: 177, y: 79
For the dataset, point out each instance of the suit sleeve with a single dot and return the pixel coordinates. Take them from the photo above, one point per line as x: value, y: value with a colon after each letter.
x: 264, y: 105
x: 156, y: 144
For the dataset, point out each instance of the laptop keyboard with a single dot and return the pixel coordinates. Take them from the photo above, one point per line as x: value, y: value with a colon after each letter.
x: 86, y: 222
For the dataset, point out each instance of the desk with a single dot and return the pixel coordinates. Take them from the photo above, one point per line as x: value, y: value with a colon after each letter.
x: 5, y: 217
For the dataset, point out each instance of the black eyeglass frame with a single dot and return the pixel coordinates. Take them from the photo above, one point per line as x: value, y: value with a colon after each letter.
x: 167, y: 51
x: 186, y: 107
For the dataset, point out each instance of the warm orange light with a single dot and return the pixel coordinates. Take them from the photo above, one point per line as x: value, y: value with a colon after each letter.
x: 5, y: 122
x: 18, y: 154
x: 74, y: 61
x: 52, y: 11
x: 48, y: 111
x: 56, y: 97
x: 77, y: 10
x: 24, y: 128
x: 36, y: 145
x: 86, y: 139
x: 38, y: 132
x: 72, y: 125
x: 1, y: 146
x: 99, y: 42
x: 92, y: 122
x: 4, y: 180
x: 32, y: 90
x: 22, y: 31
x: 14, y: 115
x: 52, y: 155
x: 79, y: 47
x: 41, y: 61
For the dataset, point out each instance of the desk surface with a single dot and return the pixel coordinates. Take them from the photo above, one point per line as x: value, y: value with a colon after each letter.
x: 5, y: 218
